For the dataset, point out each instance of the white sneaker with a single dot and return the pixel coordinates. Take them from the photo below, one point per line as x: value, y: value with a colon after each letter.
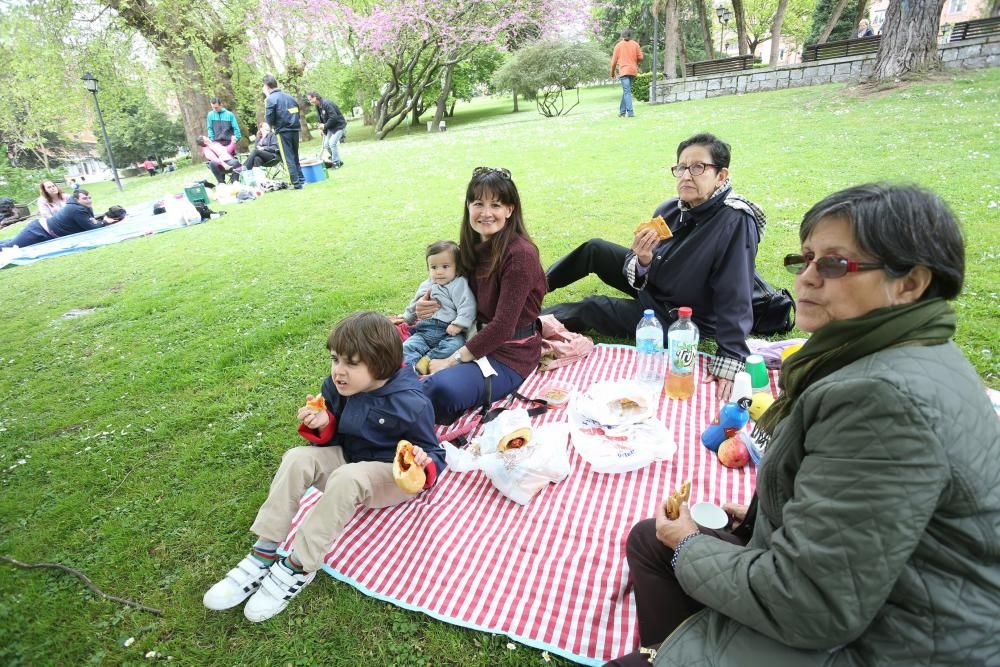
x: 280, y: 586
x: 238, y: 584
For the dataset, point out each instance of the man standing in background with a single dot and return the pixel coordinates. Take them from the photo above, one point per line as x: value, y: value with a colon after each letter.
x: 626, y: 57
x: 333, y: 123
x: 222, y: 126
x: 281, y: 112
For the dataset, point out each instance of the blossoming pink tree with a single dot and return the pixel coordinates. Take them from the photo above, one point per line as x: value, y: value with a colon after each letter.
x: 416, y: 43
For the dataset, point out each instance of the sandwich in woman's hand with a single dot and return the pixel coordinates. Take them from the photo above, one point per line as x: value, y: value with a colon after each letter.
x: 515, y: 440
x: 672, y: 508
x: 657, y: 223
x: 408, y: 475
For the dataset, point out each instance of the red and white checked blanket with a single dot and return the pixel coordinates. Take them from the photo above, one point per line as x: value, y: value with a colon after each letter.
x: 552, y: 574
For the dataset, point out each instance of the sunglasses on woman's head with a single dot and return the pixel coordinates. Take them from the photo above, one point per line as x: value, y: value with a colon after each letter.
x: 828, y: 266
x: 484, y: 171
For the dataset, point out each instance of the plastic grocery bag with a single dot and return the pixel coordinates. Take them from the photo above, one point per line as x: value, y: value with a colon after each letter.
x: 613, y: 426
x: 519, y: 474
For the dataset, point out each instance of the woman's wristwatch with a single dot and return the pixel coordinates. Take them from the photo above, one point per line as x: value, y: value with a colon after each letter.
x: 457, y: 356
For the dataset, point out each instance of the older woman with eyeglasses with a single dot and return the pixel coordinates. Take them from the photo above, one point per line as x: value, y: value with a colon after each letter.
x: 874, y: 536
x: 501, y: 263
x: 707, y: 265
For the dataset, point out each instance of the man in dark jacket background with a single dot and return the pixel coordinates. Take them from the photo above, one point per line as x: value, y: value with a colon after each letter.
x: 281, y: 111
x: 334, y: 125
x: 75, y: 217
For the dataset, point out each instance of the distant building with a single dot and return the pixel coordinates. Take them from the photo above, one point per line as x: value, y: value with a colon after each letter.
x: 954, y: 11
x: 86, y: 160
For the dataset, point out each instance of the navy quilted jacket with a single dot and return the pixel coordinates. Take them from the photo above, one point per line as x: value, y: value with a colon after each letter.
x: 877, y: 540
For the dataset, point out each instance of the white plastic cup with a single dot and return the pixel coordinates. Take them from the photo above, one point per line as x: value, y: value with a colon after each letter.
x: 709, y: 515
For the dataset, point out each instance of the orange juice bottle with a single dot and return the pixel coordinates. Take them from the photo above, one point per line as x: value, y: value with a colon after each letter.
x: 682, y: 346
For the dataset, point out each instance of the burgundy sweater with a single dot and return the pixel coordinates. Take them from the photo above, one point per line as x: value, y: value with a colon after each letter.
x: 506, y: 302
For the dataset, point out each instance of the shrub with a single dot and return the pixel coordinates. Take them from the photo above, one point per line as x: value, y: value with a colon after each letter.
x: 312, y: 118
x: 640, y: 86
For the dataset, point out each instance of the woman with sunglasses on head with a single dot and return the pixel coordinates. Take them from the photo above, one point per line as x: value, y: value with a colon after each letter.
x: 708, y: 264
x: 505, y: 273
x: 874, y: 535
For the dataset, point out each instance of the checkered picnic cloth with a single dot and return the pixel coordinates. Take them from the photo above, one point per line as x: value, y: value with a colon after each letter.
x: 551, y: 574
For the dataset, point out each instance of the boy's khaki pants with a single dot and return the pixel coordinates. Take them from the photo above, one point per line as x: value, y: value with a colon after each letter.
x: 344, y: 485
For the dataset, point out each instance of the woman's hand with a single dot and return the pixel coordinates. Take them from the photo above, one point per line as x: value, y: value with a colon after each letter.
x: 420, y: 457
x: 316, y: 420
x: 670, y: 533
x: 737, y: 513
x: 426, y: 306
x: 396, y: 319
x: 644, y: 244
x: 441, y: 364
x: 725, y: 388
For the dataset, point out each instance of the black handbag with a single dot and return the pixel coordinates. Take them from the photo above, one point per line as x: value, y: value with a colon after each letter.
x: 773, y: 309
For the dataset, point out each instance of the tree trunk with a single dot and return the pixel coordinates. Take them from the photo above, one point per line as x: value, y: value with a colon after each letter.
x: 909, y: 39
x: 193, y: 102
x: 779, y: 18
x: 706, y: 29
x: 995, y: 11
x: 682, y: 48
x: 515, y: 100
x: 858, y: 15
x: 671, y: 28
x: 741, y: 28
x: 832, y: 21
x: 442, y: 99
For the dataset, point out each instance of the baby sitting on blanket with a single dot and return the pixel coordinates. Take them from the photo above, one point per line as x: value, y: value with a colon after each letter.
x: 349, y: 459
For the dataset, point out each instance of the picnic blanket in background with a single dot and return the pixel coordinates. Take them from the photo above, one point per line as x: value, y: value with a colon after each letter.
x: 140, y: 222
x: 551, y: 574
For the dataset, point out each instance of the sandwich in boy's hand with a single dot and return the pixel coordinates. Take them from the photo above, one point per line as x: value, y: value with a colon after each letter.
x: 515, y: 440
x: 408, y: 475
x: 672, y: 508
x: 317, y: 403
x: 657, y: 223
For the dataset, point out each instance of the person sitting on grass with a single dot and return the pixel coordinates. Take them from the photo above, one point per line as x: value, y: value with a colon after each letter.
x: 219, y: 161
x: 75, y: 217
x: 441, y: 335
x: 371, y: 404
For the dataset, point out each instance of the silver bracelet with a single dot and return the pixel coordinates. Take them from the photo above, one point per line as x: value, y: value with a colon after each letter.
x: 677, y: 551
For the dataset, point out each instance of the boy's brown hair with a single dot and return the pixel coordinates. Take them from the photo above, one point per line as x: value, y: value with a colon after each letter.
x: 445, y: 246
x: 370, y: 338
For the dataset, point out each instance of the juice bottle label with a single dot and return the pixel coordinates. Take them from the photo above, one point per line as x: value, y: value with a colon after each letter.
x: 682, y: 356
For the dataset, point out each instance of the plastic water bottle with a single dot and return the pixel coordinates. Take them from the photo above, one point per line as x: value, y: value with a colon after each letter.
x: 649, y: 358
x: 682, y: 345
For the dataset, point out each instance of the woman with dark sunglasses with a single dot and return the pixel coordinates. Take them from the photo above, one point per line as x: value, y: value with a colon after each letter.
x: 505, y: 274
x: 874, y: 536
x: 708, y: 264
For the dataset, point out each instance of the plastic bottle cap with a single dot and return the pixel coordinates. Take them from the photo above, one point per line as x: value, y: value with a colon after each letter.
x: 647, y: 313
x: 742, y: 388
x: 683, y: 311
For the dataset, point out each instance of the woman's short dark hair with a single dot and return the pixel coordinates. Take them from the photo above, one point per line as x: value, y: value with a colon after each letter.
x: 902, y: 226
x: 370, y: 338
x: 718, y: 148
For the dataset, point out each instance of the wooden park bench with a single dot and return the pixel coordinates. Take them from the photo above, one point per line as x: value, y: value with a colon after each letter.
x: 840, y: 48
x: 721, y: 65
x: 972, y: 29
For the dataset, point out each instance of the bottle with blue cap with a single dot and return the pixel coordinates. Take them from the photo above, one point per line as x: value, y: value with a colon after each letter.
x: 649, y: 362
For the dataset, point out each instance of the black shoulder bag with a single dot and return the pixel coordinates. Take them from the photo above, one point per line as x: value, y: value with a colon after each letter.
x: 773, y: 309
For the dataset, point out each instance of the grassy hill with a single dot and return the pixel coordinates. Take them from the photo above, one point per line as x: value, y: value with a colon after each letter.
x: 137, y: 441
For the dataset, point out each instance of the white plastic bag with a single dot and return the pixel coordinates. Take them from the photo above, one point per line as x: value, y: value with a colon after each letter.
x: 612, y: 439
x: 519, y: 474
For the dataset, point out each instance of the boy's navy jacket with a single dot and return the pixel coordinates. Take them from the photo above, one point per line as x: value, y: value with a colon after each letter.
x: 369, y: 425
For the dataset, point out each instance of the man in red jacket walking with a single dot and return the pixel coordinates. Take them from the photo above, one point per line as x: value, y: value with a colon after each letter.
x: 627, y: 56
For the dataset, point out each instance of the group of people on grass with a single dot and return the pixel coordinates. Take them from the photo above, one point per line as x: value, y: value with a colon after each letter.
x: 277, y: 139
x: 61, y: 215
x: 874, y: 534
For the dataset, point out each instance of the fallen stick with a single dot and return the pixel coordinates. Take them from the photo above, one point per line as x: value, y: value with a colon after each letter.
x: 82, y: 577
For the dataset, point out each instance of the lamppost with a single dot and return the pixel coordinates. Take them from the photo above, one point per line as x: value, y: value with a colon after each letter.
x: 90, y: 83
x: 724, y: 14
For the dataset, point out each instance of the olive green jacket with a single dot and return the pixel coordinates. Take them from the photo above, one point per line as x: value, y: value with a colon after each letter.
x: 877, y: 540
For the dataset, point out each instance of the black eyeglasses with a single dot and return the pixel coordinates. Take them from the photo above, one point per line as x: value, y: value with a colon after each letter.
x: 696, y: 169
x: 485, y: 171
x: 828, y: 266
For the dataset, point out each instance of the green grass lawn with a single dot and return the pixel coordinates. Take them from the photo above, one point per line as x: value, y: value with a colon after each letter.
x: 137, y: 442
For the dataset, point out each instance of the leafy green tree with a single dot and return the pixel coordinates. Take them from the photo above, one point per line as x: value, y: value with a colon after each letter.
x: 138, y: 130
x: 549, y: 67
x: 842, y: 29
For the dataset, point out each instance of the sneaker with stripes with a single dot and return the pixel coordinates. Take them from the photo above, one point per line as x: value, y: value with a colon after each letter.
x: 239, y: 583
x: 281, y: 585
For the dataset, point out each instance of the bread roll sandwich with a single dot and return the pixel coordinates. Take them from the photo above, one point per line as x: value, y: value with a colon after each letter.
x: 515, y: 440
x: 672, y: 508
x: 657, y: 223
x: 317, y: 403
x: 408, y: 475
